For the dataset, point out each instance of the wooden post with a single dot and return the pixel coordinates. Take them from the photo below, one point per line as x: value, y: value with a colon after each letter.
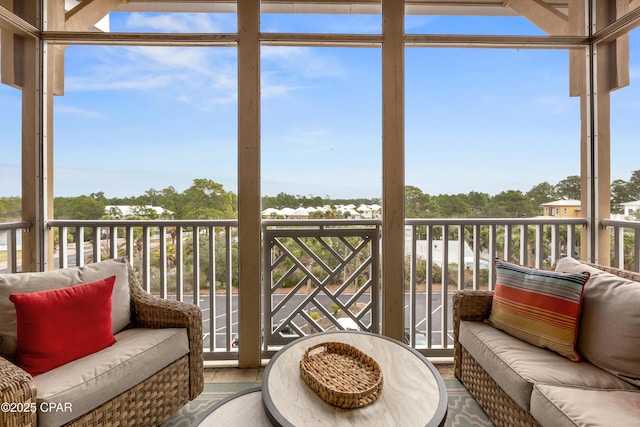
x: 249, y: 204
x: 20, y: 69
x: 609, y: 66
x: 27, y: 69
x: 393, y: 168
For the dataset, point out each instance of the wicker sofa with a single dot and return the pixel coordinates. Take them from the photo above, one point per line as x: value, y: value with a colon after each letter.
x: 154, y: 367
x: 518, y: 384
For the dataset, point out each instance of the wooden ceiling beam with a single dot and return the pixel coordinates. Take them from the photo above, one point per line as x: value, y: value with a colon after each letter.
x: 13, y: 40
x: 88, y: 13
x: 619, y: 51
x: 12, y: 58
x: 577, y: 58
x: 547, y: 18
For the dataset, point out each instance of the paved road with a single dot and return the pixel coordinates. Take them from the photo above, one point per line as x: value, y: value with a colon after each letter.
x: 219, y: 321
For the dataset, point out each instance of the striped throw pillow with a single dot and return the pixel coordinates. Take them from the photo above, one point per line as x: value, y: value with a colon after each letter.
x: 539, y: 307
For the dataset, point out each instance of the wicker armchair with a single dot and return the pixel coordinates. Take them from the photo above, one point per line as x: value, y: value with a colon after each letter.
x: 474, y: 305
x: 152, y: 401
x: 503, y: 411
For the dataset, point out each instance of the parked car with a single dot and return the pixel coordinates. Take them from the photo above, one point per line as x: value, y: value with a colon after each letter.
x: 285, y: 331
x: 549, y: 260
x: 348, y: 324
x: 421, y: 339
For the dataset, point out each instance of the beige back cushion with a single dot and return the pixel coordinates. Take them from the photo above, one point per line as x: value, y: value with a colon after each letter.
x: 33, y: 282
x: 609, y: 331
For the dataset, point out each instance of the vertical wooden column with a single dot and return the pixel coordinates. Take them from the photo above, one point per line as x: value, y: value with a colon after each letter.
x: 595, y: 158
x: 393, y: 168
x: 249, y: 218
x: 602, y: 158
x: 20, y: 69
x: 609, y: 70
x: 53, y: 63
x: 27, y: 69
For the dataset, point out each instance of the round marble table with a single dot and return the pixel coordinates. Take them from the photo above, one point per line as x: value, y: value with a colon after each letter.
x: 413, y: 393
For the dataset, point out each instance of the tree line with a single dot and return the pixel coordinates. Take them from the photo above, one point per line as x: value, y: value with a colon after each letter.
x: 207, y: 199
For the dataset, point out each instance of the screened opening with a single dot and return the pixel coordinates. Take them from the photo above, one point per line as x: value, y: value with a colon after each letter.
x: 137, y: 118
x: 321, y: 122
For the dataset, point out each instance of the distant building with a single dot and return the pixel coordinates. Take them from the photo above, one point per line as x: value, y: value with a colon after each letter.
x: 562, y: 209
x: 344, y: 211
x: 300, y: 213
x: 631, y: 210
x: 125, y: 211
x: 437, y: 252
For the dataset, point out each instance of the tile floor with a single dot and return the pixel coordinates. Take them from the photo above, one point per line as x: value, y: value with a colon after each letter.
x: 226, y: 375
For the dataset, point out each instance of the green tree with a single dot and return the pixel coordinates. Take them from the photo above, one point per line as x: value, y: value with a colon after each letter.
x: 634, y: 184
x: 417, y: 204
x: 172, y: 201
x: 569, y: 188
x: 10, y: 209
x: 81, y: 207
x: 206, y: 199
x: 453, y: 206
x: 621, y: 192
x: 511, y: 204
x: 285, y: 200
x: 478, y: 203
x: 542, y: 193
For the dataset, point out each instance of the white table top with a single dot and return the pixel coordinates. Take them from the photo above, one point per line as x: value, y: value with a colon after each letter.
x: 413, y: 392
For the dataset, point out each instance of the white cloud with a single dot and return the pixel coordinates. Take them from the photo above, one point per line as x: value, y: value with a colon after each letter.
x: 202, y: 76
x: 272, y: 86
x: 168, y: 57
x: 289, y: 69
x: 323, y: 23
x: 117, y: 80
x: 176, y: 23
x: 309, y: 141
x: 553, y: 104
x: 303, y: 61
x: 79, y: 112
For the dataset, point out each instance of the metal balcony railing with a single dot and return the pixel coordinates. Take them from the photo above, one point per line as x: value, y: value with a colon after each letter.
x: 191, y: 261
x: 625, y: 244
x: 11, y: 245
x: 446, y: 255
x: 318, y: 274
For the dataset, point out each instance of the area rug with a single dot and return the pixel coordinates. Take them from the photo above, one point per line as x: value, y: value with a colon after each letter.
x: 463, y: 409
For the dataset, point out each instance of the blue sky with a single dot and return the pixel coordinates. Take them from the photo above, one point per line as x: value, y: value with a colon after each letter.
x: 135, y: 118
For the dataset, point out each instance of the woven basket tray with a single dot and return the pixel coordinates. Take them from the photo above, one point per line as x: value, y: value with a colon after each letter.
x: 341, y: 375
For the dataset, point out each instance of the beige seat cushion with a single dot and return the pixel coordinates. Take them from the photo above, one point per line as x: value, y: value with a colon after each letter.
x: 609, y: 332
x: 34, y: 282
x: 516, y: 365
x: 95, y: 379
x: 571, y: 407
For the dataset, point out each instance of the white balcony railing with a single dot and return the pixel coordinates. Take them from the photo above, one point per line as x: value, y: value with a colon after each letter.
x: 625, y: 244
x: 11, y: 245
x: 170, y: 258
x: 317, y: 272
x: 446, y: 255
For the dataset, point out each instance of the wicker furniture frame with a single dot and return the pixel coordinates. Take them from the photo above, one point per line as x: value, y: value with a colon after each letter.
x: 475, y: 305
x: 148, y: 403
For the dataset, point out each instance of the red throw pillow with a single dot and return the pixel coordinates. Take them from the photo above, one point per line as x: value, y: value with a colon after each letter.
x: 61, y: 325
